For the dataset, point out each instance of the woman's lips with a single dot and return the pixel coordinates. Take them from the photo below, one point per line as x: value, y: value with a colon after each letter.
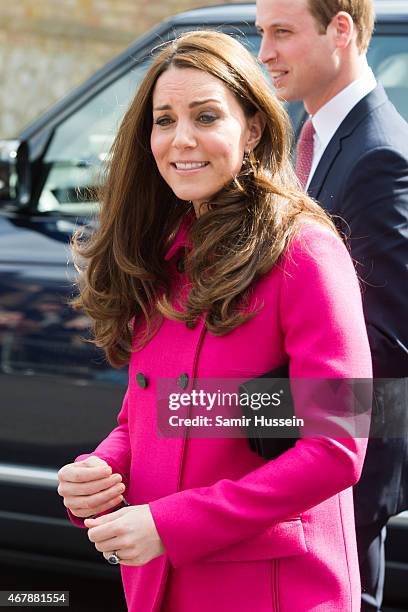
x: 189, y: 167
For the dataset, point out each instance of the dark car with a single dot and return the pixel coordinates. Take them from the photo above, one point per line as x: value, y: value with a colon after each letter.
x: 58, y: 397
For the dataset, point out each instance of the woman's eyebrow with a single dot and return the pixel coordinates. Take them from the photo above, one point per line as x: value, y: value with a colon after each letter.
x: 199, y: 102
x: 191, y: 105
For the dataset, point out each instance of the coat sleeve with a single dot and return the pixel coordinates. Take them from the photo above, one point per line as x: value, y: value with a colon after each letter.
x: 375, y: 205
x: 115, y: 450
x: 325, y: 336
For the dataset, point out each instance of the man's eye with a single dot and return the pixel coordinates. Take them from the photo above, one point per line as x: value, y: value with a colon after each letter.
x: 281, y: 31
x: 163, y: 121
x: 207, y: 118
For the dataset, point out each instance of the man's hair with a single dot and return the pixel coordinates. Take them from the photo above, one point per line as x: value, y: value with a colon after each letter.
x: 361, y: 11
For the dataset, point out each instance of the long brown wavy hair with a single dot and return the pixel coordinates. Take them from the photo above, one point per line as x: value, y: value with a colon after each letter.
x: 124, y: 280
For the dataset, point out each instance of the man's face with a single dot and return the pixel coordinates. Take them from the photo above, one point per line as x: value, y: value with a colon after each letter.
x: 302, y: 62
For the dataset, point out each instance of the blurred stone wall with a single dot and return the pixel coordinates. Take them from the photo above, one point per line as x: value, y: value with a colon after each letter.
x: 47, y: 47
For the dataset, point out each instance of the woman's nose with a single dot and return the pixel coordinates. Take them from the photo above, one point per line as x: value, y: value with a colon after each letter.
x: 184, y: 136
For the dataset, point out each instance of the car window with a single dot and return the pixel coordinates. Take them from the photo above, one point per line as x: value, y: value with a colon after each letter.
x: 74, y: 159
x: 388, y: 57
x: 80, y: 144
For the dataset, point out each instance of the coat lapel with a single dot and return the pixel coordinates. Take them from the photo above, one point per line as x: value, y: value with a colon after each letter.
x: 347, y: 127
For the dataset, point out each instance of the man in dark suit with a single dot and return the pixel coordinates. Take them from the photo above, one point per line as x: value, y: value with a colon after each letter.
x: 353, y: 158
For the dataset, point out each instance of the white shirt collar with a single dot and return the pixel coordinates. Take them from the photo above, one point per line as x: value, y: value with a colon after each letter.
x: 330, y: 116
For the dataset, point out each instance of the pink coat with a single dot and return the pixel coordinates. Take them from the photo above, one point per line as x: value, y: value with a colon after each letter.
x: 242, y: 534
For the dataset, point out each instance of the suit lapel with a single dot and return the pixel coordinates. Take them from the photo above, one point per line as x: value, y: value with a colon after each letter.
x: 326, y: 161
x: 346, y: 128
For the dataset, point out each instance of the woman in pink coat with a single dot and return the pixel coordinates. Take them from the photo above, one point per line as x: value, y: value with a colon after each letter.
x: 208, y: 262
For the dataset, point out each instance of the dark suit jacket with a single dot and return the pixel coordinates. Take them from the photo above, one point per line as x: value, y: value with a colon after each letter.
x: 362, y: 179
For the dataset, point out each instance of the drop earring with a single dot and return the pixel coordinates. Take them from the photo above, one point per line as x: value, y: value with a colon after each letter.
x: 245, y: 160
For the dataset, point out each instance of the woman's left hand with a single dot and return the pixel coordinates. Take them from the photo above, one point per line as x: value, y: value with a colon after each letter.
x: 129, y: 532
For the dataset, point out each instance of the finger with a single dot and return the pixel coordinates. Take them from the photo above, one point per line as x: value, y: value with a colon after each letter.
x: 106, y: 527
x: 107, y: 555
x: 93, y: 460
x: 107, y: 518
x: 88, y: 462
x: 70, y: 489
x: 84, y: 473
x: 90, y: 502
x: 126, y: 556
x: 132, y: 562
x: 104, y: 532
x: 110, y: 545
x: 64, y: 470
x: 86, y: 513
x: 88, y: 488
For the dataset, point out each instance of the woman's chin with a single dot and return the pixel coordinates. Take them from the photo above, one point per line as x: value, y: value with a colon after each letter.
x: 189, y: 196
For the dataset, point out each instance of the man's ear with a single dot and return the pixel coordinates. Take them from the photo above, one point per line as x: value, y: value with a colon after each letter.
x: 343, y: 29
x: 256, y: 125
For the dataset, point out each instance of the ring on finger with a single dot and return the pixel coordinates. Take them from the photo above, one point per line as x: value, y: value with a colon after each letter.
x: 113, y: 558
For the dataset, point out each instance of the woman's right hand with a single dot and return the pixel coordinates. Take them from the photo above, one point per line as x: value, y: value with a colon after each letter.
x: 89, y: 487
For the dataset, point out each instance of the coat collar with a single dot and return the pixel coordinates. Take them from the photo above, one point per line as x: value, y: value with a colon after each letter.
x: 181, y: 239
x: 370, y: 102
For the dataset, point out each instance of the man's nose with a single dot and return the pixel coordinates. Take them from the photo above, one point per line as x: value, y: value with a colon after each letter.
x: 184, y: 136
x: 267, y: 51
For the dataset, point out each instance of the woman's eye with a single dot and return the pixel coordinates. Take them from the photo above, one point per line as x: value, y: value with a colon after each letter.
x: 207, y: 118
x: 163, y: 121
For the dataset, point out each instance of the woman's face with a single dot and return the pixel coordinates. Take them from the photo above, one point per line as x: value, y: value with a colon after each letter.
x: 199, y: 133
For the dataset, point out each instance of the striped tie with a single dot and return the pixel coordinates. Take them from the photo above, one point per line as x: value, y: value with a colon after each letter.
x: 304, y: 152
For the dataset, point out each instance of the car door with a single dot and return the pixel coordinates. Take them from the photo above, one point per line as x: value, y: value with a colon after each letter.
x: 59, y: 397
